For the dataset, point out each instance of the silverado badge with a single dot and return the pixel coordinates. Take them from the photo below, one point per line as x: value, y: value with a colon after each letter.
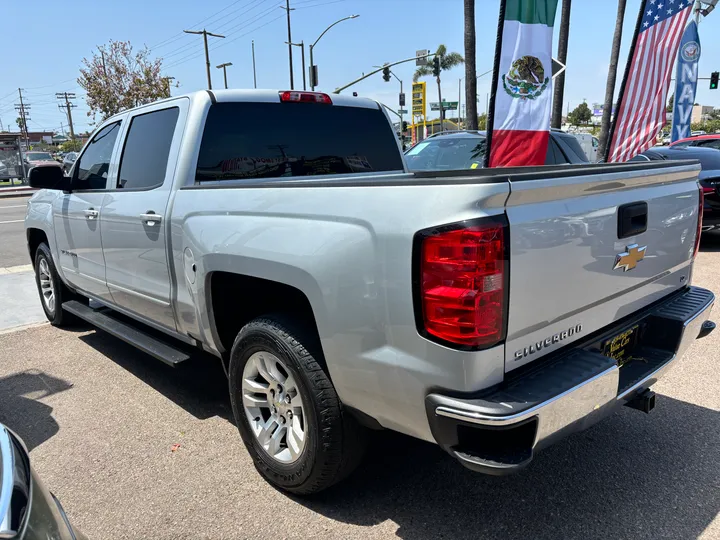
x: 628, y: 259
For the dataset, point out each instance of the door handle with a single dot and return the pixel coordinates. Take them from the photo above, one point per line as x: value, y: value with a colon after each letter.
x: 632, y: 219
x: 151, y: 218
x: 91, y: 214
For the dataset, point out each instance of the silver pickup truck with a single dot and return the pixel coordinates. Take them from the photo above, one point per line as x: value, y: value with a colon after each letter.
x: 491, y: 311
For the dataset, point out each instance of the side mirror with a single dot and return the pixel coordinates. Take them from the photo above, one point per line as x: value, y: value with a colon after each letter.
x: 49, y: 177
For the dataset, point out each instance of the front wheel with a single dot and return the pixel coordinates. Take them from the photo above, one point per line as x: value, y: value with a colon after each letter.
x: 52, y: 290
x: 287, y: 411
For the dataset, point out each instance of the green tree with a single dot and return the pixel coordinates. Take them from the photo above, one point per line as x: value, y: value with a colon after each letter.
x: 447, y: 62
x: 71, y: 146
x: 116, y: 78
x: 20, y: 123
x: 671, y: 103
x: 580, y: 114
x: 482, y: 122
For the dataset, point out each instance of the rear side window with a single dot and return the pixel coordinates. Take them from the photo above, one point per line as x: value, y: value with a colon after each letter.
x: 709, y: 143
x: 554, y: 155
x: 267, y: 140
x: 571, y: 147
x: 147, y: 147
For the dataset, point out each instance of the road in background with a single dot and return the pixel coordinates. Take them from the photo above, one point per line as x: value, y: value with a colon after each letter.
x: 102, y: 420
x: 13, y: 246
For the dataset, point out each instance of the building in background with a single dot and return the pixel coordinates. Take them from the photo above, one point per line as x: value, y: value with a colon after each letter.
x: 701, y: 113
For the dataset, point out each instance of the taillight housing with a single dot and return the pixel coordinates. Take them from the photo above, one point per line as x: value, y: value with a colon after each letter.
x: 461, y: 274
x: 701, y: 204
x: 293, y: 96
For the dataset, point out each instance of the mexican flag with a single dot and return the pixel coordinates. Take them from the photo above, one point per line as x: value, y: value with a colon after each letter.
x: 519, y: 125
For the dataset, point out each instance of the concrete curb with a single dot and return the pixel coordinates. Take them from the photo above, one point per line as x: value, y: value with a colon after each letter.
x: 16, y: 269
x: 22, y: 327
x: 6, y: 193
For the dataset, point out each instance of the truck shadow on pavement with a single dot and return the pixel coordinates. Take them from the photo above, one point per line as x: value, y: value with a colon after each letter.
x: 21, y: 410
x: 710, y: 241
x: 628, y: 477
x: 198, y: 385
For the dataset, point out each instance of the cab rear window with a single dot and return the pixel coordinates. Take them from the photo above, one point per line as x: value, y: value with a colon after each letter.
x: 269, y: 140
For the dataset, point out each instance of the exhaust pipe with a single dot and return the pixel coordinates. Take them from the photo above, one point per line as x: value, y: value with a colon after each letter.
x: 644, y: 402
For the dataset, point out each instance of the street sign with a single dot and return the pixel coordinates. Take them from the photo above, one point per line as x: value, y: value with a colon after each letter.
x: 402, y: 111
x: 421, y: 57
x: 402, y: 99
x: 447, y: 106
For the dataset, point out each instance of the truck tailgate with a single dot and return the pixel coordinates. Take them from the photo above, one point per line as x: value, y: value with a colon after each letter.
x: 579, y: 259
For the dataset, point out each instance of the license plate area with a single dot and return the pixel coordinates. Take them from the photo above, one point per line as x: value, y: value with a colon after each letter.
x: 621, y: 346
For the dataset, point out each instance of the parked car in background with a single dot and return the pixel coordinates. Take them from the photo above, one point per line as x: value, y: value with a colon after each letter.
x: 68, y: 161
x: 28, y: 511
x: 457, y: 150
x: 708, y: 141
x: 709, y: 176
x: 33, y: 159
x: 589, y: 144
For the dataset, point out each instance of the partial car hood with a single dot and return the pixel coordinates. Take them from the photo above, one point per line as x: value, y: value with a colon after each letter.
x: 43, y: 162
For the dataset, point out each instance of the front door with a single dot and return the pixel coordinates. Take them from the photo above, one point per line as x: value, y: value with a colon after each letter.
x: 134, y: 216
x: 76, y: 215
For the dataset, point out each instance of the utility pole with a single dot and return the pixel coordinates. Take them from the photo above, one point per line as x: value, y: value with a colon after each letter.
x: 62, y: 129
x: 559, y: 83
x: 610, y: 86
x: 67, y: 96
x: 204, y: 33
x: 224, y: 68
x: 254, y: 72
x: 167, y: 82
x: 289, y: 41
x: 302, y: 49
x: 22, y: 108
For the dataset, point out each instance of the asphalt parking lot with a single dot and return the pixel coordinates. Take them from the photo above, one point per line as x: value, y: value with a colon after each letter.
x: 101, y: 420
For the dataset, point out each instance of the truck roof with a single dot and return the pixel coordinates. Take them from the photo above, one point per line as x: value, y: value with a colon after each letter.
x: 259, y: 96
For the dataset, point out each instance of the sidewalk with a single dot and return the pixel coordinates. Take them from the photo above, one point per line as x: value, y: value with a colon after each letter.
x: 19, y: 300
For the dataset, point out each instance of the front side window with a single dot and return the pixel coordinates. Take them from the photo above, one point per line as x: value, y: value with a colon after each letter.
x: 709, y: 143
x: 93, y: 166
x: 269, y: 140
x: 147, y: 147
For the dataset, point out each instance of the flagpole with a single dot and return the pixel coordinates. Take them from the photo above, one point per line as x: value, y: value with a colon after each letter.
x: 621, y: 94
x: 493, y: 88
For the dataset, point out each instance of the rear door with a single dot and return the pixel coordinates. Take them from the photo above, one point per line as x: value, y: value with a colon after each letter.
x: 568, y: 230
x: 134, y: 215
x: 76, y: 214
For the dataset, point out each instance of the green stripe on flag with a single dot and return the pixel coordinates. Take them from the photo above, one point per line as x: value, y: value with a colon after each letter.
x: 531, y: 11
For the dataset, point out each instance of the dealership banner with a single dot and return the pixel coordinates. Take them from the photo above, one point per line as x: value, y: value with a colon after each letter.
x: 686, y: 79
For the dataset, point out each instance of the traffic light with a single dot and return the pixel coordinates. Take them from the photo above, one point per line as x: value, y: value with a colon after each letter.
x: 714, y: 76
x: 404, y: 126
x: 386, y: 74
x: 436, y: 66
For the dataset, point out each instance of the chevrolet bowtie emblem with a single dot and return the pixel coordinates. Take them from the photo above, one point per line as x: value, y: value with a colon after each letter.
x: 629, y: 258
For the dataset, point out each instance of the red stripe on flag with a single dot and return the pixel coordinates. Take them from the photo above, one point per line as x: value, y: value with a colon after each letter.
x: 517, y: 148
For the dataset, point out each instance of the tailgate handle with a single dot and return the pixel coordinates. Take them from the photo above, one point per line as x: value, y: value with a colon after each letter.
x: 632, y: 219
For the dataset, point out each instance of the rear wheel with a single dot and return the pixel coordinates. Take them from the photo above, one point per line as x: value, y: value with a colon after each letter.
x: 287, y: 411
x: 52, y: 290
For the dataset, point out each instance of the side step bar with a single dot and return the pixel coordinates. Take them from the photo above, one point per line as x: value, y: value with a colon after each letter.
x: 137, y: 338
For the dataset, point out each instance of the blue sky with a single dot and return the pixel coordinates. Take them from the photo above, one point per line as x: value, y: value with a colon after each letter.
x: 47, y: 42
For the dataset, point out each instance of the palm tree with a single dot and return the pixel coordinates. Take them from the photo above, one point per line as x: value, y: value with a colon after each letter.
x: 447, y: 61
x: 471, y: 117
x: 610, y: 86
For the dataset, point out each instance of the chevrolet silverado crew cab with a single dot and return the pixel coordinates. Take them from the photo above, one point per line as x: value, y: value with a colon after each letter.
x: 491, y: 311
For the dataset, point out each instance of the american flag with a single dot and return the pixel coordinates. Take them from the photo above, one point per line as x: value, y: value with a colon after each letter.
x: 641, y: 112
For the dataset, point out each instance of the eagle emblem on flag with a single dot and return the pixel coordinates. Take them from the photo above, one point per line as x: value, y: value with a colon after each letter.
x: 526, y: 78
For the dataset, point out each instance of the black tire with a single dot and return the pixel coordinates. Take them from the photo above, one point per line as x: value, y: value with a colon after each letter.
x: 335, y: 441
x: 57, y: 316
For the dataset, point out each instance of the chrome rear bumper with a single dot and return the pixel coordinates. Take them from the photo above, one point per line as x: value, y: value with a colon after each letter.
x: 497, y: 433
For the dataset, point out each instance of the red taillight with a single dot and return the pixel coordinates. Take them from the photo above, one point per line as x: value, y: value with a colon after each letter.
x: 700, y: 219
x: 707, y: 189
x: 304, y: 97
x: 462, y: 285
